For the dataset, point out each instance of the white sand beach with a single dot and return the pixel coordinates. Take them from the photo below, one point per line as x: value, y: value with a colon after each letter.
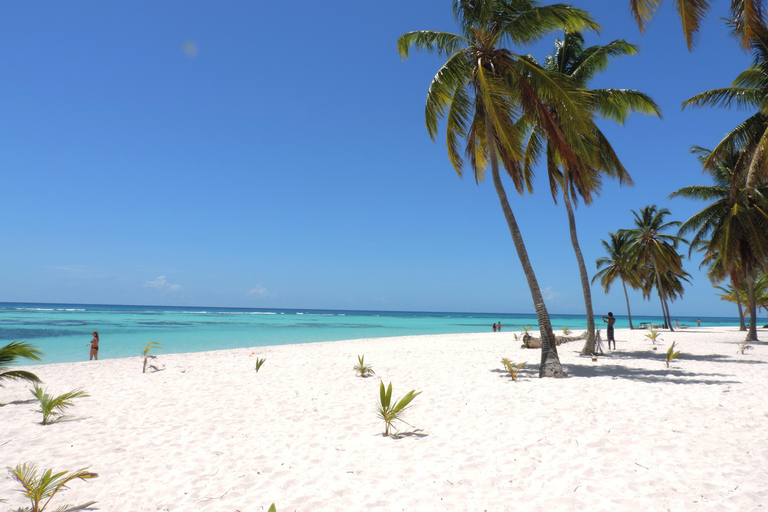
x: 209, y: 433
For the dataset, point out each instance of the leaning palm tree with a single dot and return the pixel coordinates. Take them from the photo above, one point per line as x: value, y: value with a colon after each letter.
x: 481, y: 89
x: 654, y: 253
x: 746, y: 16
x: 617, y: 265
x: 749, y: 140
x: 571, y: 59
x: 10, y: 353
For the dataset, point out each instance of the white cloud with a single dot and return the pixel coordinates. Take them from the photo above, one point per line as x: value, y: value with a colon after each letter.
x: 550, y: 295
x: 259, y: 291
x: 162, y: 285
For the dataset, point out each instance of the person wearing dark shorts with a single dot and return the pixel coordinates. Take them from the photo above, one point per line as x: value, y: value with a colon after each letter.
x: 95, y: 346
x: 610, y: 320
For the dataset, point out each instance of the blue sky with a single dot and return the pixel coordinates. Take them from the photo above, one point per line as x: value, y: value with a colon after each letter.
x: 274, y: 154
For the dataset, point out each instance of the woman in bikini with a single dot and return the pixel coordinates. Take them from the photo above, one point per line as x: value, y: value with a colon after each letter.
x: 95, y: 346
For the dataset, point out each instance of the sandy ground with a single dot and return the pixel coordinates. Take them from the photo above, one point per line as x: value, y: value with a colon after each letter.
x: 209, y: 433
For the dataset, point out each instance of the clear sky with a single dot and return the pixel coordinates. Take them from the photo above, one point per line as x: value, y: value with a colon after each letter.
x: 274, y: 154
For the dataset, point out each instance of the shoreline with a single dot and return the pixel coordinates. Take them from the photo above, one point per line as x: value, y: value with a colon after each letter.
x: 209, y: 433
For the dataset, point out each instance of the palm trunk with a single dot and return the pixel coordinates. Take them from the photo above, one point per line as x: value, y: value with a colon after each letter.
x: 669, y: 316
x: 550, y: 362
x: 626, y: 296
x: 742, y: 324
x: 752, y: 333
x: 589, y: 345
x: 662, y: 297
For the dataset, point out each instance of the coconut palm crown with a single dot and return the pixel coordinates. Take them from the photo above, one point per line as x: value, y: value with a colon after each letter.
x: 483, y: 89
x: 10, y: 353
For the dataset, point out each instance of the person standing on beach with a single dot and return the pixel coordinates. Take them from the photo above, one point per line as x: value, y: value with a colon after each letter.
x: 610, y: 320
x: 498, y: 327
x: 95, y: 346
x: 698, y: 322
x: 494, y: 327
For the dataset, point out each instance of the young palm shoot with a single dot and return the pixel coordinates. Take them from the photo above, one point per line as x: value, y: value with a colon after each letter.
x: 53, y: 407
x: 259, y: 362
x: 671, y: 354
x: 566, y: 331
x: 362, y: 369
x: 744, y: 347
x: 512, y: 368
x: 147, y: 357
x: 41, y: 489
x: 653, y: 335
x: 8, y: 356
x: 390, y: 413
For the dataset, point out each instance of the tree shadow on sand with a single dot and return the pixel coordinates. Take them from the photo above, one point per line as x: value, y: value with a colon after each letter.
x: 645, y: 375
x: 660, y: 355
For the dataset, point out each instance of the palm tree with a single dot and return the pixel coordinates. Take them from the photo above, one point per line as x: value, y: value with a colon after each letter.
x: 716, y: 273
x: 654, y: 254
x: 735, y: 224
x: 580, y: 65
x: 8, y: 356
x: 480, y: 90
x: 617, y: 265
x: 749, y: 140
x: 746, y: 16
x: 735, y: 295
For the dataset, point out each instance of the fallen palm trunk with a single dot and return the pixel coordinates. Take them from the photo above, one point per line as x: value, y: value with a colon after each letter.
x: 531, y: 342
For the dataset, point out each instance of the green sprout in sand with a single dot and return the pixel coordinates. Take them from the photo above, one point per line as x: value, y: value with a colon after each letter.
x: 259, y: 362
x: 53, y: 407
x: 41, y: 489
x: 512, y: 368
x: 653, y: 335
x: 744, y: 347
x: 566, y: 331
x: 147, y: 357
x: 671, y: 354
x: 388, y: 412
x: 362, y: 369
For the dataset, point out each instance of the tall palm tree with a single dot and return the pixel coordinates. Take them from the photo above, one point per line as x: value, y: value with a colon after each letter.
x: 735, y: 224
x: 654, y: 253
x: 746, y: 16
x: 481, y: 89
x: 749, y: 140
x: 10, y: 353
x: 717, y: 274
x: 571, y: 59
x: 617, y: 265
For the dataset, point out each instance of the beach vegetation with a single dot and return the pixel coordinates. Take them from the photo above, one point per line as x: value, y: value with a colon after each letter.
x: 146, y: 355
x: 671, y: 353
x: 732, y: 229
x: 259, y: 362
x: 488, y: 95
x: 653, y: 336
x: 391, y: 412
x: 577, y: 169
x: 512, y: 368
x: 362, y: 369
x: 654, y: 257
x: 10, y: 354
x: 744, y: 347
x: 41, y: 488
x: 617, y: 265
x: 53, y: 407
x: 566, y: 331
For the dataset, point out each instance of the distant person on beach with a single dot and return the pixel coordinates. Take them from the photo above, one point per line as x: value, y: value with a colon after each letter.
x: 610, y: 320
x: 494, y: 327
x: 677, y: 324
x: 95, y: 346
x: 498, y: 327
x: 698, y: 322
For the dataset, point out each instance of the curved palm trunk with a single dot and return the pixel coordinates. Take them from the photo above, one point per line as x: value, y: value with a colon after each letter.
x: 550, y: 362
x: 589, y: 345
x: 662, y: 298
x: 752, y: 332
x: 626, y: 296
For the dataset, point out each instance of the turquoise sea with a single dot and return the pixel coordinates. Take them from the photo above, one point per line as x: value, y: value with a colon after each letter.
x: 63, y: 331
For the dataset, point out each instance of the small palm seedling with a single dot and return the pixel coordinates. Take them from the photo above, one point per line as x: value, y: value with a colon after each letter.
x: 8, y: 356
x: 526, y: 329
x: 147, y: 357
x: 512, y: 368
x: 41, y: 489
x: 653, y: 335
x: 362, y: 369
x: 388, y: 412
x: 744, y: 347
x: 259, y: 362
x: 53, y: 407
x: 671, y: 354
x: 566, y: 331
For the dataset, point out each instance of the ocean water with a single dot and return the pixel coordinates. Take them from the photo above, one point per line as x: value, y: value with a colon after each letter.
x: 63, y: 331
